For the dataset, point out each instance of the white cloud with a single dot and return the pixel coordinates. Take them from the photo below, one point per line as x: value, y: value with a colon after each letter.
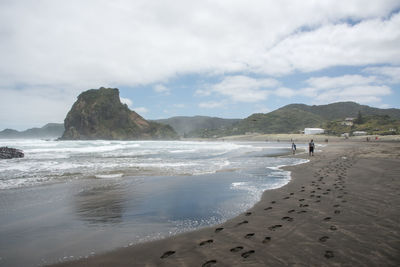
x: 71, y: 46
x: 362, y: 94
x: 159, y: 88
x: 391, y: 74
x: 284, y: 92
x: 340, y: 81
x: 33, y: 107
x: 211, y: 104
x: 243, y: 89
x: 373, y: 41
x: 137, y: 42
x: 361, y: 89
x: 141, y: 110
x: 126, y: 101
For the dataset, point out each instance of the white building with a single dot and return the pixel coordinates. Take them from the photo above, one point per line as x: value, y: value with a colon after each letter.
x: 313, y: 131
x: 359, y: 133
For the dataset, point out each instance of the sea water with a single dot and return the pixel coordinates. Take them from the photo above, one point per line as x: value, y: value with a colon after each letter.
x: 70, y: 199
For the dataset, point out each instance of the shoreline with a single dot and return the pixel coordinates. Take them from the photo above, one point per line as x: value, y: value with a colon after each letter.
x: 338, y: 209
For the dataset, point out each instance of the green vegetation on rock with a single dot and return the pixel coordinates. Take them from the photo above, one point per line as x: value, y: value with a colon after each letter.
x: 372, y: 125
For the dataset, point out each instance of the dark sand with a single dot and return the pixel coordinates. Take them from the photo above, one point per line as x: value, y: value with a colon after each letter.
x: 340, y: 209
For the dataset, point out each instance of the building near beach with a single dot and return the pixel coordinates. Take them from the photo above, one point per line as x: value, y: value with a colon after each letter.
x: 359, y: 133
x: 313, y: 131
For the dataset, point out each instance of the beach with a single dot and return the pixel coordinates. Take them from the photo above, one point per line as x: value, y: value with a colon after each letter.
x: 339, y: 209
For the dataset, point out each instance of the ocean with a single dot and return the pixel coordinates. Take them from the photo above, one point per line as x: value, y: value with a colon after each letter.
x: 70, y: 199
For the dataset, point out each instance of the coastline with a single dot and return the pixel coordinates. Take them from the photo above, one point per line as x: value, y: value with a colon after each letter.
x: 338, y: 209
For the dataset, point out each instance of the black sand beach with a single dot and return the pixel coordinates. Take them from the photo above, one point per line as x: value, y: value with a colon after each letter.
x: 340, y: 209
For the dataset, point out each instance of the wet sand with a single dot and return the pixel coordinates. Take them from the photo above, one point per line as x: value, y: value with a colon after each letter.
x: 340, y: 209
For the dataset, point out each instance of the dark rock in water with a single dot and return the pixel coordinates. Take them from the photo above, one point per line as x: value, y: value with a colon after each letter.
x: 99, y: 114
x: 9, y: 153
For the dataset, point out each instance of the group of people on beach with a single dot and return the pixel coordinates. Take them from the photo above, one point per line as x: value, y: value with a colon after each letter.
x: 311, y: 147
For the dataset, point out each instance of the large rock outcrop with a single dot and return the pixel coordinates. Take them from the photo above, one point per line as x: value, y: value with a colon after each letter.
x: 99, y: 114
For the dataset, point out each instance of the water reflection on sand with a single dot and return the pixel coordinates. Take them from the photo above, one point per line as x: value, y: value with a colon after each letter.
x: 101, y: 205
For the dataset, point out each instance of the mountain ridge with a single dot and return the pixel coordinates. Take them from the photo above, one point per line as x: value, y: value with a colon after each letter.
x: 50, y: 130
x: 291, y: 118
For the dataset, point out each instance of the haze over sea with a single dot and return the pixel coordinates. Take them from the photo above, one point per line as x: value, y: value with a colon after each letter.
x: 73, y: 199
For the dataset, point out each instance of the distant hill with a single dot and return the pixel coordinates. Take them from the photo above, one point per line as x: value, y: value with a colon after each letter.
x: 295, y: 117
x: 50, y: 130
x: 99, y: 114
x: 342, y: 110
x: 189, y: 126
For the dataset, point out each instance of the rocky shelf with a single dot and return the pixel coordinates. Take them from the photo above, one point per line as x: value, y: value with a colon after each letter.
x: 9, y: 153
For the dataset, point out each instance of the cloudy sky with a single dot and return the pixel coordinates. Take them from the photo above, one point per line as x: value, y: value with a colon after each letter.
x: 217, y: 58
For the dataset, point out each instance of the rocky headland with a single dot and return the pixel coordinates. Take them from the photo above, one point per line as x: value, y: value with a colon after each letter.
x: 99, y: 114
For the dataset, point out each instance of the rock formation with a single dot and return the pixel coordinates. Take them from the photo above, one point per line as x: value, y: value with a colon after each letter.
x: 99, y: 114
x: 9, y: 153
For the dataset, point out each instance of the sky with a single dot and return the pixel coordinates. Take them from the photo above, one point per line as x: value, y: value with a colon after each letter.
x: 228, y: 59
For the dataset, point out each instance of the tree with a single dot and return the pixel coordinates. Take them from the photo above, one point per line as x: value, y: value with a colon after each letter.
x: 360, y: 119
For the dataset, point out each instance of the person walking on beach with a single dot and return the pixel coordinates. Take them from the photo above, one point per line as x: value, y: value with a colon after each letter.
x: 311, y: 148
x: 293, y: 148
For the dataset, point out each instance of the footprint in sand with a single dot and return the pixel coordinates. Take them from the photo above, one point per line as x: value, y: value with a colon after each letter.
x: 323, y: 239
x: 286, y: 197
x: 268, y: 208
x: 291, y: 194
x: 302, y: 199
x: 290, y: 211
x: 209, y: 263
x: 219, y: 229
x: 286, y: 218
x: 205, y: 242
x: 327, y: 219
x: 333, y: 228
x: 266, y: 239
x: 337, y: 211
x: 272, y: 228
x: 303, y: 205
x: 247, y: 214
x: 329, y: 254
x: 236, y: 249
x: 273, y: 202
x: 302, y: 211
x: 337, y: 205
x: 167, y: 254
x: 243, y: 222
x: 248, y: 236
x: 248, y: 253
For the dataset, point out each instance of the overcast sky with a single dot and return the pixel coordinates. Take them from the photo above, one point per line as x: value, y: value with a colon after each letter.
x: 217, y: 58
